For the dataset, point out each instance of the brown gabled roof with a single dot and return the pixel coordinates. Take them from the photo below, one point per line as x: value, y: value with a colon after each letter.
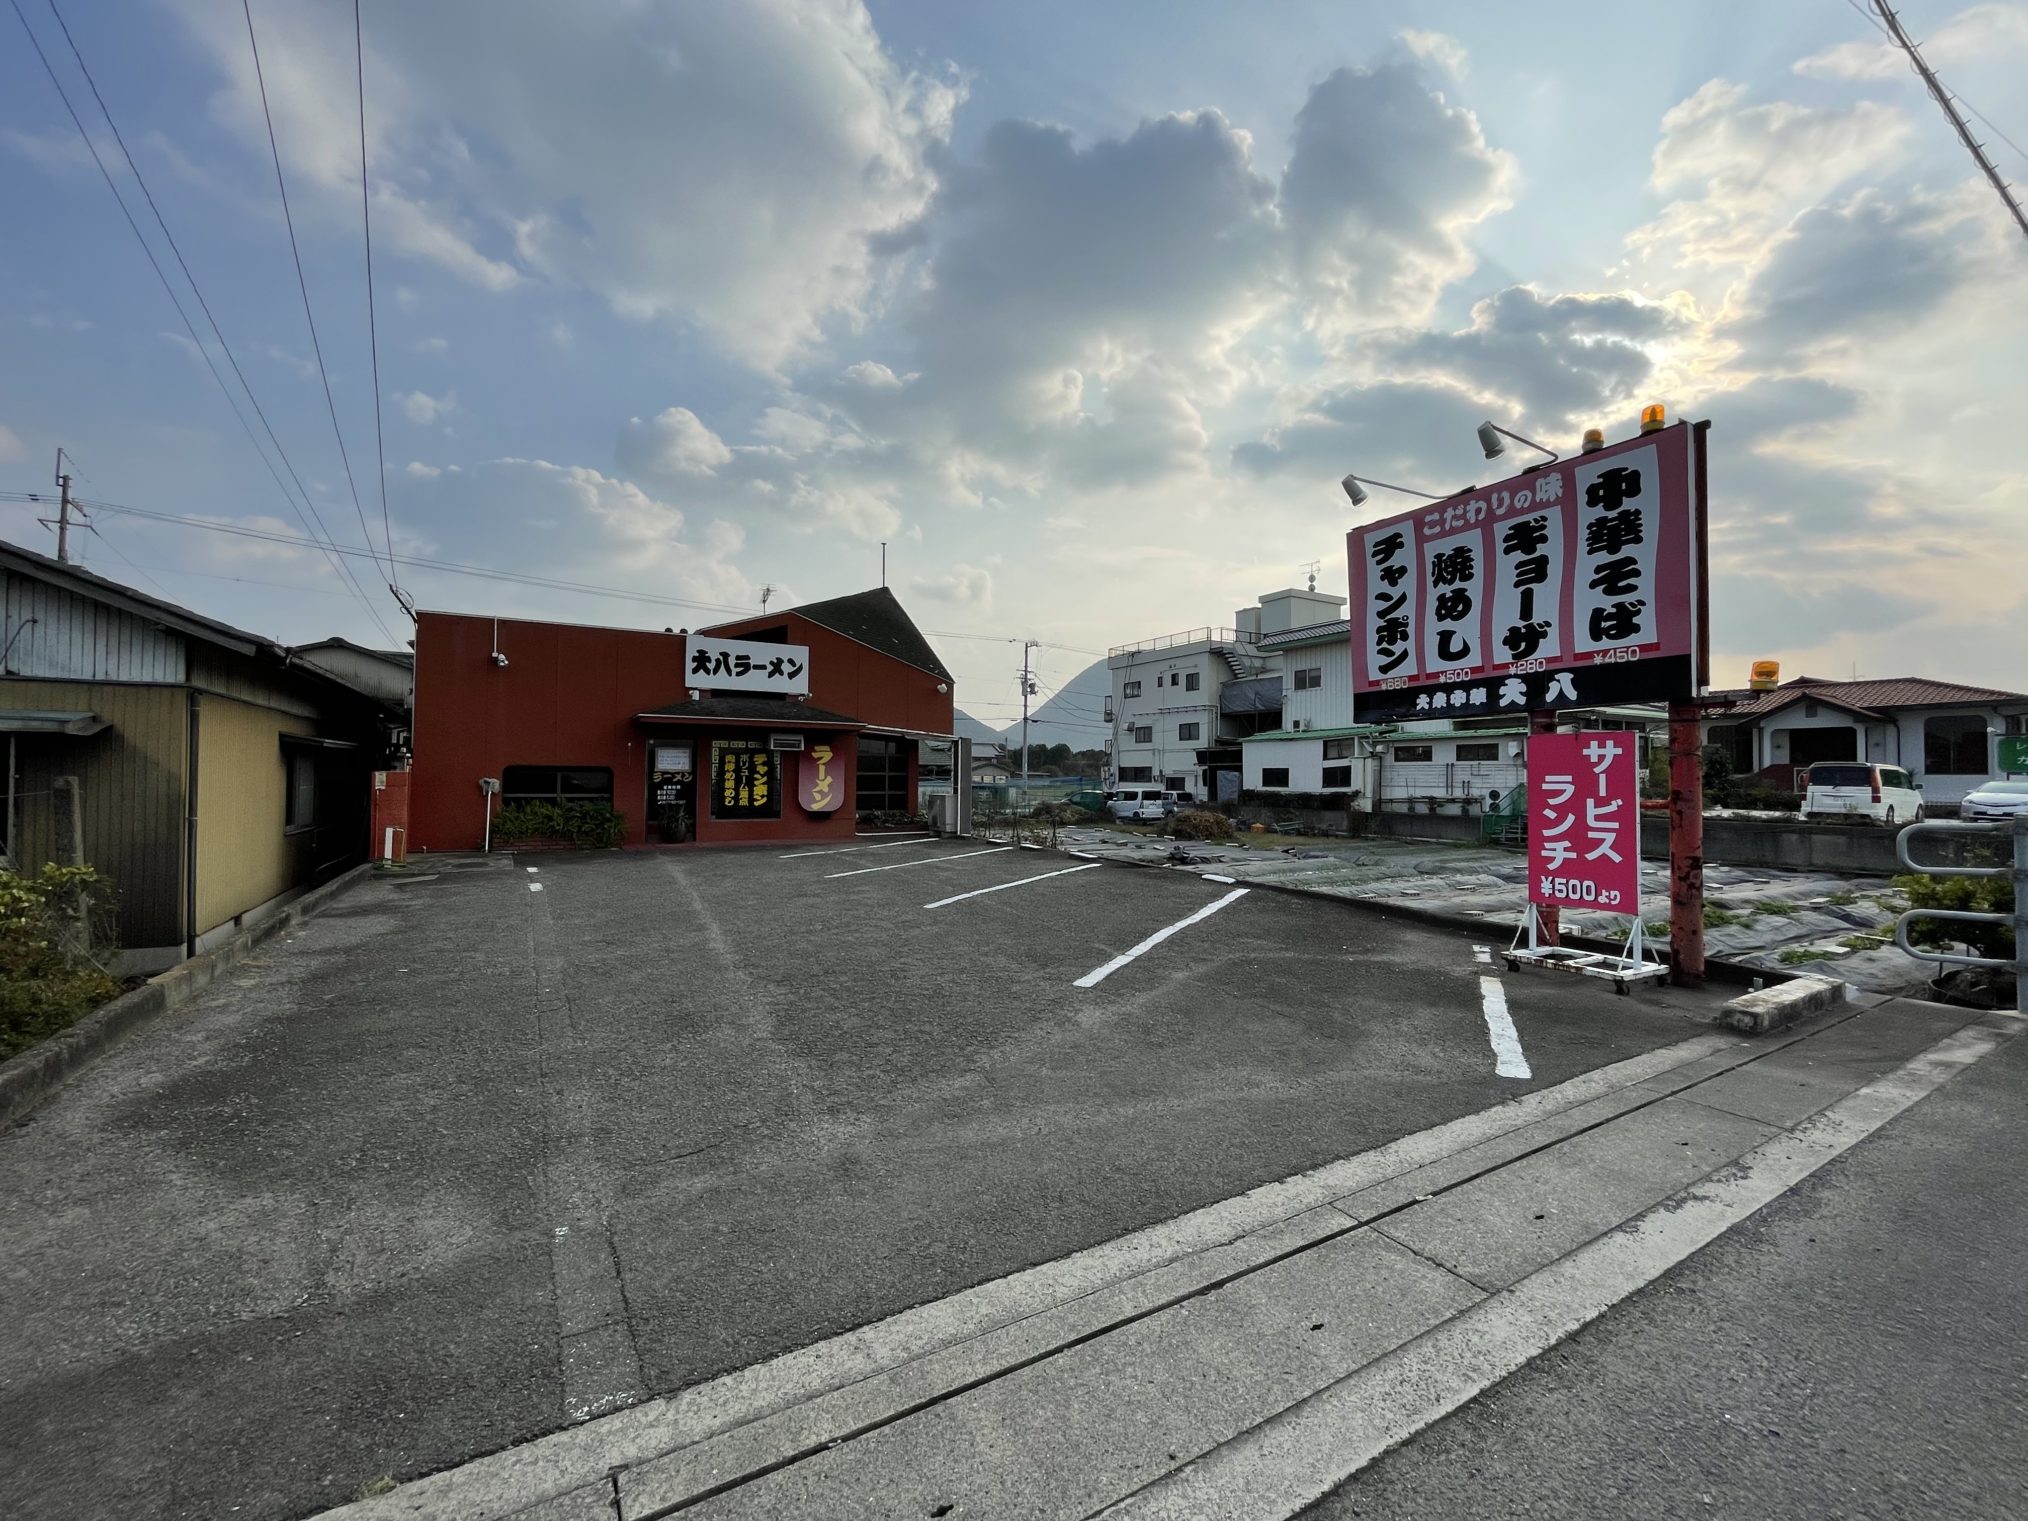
x: 1871, y: 698
x: 875, y: 618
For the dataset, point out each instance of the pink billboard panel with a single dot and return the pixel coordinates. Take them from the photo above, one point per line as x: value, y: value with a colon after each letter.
x: 1584, y: 821
x: 1574, y: 584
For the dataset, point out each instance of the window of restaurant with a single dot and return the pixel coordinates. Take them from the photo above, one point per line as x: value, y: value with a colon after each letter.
x: 883, y: 774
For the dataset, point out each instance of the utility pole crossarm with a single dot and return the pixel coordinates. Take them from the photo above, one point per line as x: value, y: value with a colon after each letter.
x: 1950, y: 109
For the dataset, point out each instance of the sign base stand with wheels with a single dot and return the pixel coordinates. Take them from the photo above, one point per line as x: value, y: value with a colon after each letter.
x: 1623, y: 971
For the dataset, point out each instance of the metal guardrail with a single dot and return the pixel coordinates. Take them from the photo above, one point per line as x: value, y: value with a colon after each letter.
x: 2018, y: 830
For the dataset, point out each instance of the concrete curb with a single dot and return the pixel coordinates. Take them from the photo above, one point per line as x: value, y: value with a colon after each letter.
x: 30, y: 1078
x: 1716, y: 968
x: 1777, y: 1007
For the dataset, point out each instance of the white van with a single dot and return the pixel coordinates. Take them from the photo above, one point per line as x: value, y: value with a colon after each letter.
x: 1860, y: 790
x: 1140, y: 803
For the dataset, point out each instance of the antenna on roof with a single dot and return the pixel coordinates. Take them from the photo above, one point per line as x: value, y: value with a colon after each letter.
x: 1313, y: 567
x: 766, y: 592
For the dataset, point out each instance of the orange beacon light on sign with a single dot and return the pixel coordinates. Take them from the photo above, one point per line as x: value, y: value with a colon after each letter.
x: 1767, y: 675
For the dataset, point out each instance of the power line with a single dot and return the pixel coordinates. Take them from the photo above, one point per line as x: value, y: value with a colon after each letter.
x: 372, y: 327
x: 170, y: 290
x: 302, y: 284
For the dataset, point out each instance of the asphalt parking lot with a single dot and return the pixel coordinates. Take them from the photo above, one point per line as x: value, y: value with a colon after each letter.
x: 483, y: 1150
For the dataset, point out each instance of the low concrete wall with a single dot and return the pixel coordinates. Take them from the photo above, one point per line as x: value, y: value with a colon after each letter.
x: 1844, y: 849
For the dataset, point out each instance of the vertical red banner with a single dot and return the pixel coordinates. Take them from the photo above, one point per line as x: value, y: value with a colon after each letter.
x: 1584, y: 821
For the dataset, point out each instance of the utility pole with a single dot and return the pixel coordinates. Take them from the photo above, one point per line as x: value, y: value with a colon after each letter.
x: 1950, y: 109
x: 64, y: 509
x: 1027, y: 691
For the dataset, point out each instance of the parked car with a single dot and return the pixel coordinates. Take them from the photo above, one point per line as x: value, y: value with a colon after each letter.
x: 1090, y: 802
x: 1138, y: 803
x: 1995, y: 802
x: 1860, y: 790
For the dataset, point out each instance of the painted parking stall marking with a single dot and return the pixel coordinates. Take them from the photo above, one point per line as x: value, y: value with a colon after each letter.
x: 1508, y: 1059
x: 980, y: 892
x: 1094, y: 978
x: 840, y: 850
x: 963, y: 855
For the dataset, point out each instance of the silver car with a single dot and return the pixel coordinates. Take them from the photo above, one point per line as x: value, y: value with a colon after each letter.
x: 1995, y: 802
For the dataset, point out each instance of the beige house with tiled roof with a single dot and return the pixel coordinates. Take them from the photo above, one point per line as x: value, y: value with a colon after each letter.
x: 1942, y: 731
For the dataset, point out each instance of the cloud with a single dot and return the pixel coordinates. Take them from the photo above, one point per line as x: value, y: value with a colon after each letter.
x: 1389, y: 429
x: 422, y: 472
x: 1750, y: 168
x: 964, y: 584
x: 725, y: 168
x: 1438, y: 48
x: 1384, y: 177
x: 1846, y: 274
x: 305, y: 369
x: 431, y: 345
x: 423, y: 409
x: 1557, y: 359
x: 1974, y: 36
x: 10, y: 446
x: 672, y: 443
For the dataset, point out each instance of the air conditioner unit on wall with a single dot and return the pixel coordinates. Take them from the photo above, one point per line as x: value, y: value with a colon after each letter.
x: 785, y: 741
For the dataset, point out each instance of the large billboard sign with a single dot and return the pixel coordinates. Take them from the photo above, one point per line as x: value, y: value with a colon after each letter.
x: 1572, y: 585
x: 1584, y: 821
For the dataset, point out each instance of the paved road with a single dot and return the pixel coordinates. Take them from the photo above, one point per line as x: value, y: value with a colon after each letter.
x: 1858, y: 1350
x: 463, y: 1161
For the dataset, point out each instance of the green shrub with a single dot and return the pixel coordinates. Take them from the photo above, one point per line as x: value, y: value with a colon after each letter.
x: 1201, y: 826
x: 47, y: 977
x: 1971, y: 895
x: 593, y: 826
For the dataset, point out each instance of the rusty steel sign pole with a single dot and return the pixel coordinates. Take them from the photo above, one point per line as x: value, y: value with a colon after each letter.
x: 1686, y: 762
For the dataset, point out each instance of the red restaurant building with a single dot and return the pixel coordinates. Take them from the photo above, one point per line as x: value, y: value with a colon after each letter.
x: 784, y: 726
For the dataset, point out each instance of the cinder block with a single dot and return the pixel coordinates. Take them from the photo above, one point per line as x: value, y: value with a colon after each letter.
x: 1783, y: 1004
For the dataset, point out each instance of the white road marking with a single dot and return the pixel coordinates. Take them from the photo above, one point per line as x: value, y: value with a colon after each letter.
x: 1093, y: 979
x: 535, y: 887
x: 1483, y: 954
x: 1507, y: 1058
x: 1210, y: 876
x: 980, y: 892
x: 839, y: 850
x: 963, y: 855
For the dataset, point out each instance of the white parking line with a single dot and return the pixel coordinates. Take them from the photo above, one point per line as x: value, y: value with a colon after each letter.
x: 839, y: 850
x: 963, y: 855
x: 1093, y: 979
x: 981, y: 892
x: 1507, y: 1058
x: 1483, y: 954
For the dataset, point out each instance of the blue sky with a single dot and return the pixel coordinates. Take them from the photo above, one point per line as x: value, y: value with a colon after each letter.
x: 1083, y: 309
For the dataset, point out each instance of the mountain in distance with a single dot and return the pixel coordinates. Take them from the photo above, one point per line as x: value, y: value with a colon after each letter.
x: 979, y: 733
x: 1074, y: 714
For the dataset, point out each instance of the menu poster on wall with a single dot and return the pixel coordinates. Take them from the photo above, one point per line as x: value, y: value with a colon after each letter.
x: 744, y: 781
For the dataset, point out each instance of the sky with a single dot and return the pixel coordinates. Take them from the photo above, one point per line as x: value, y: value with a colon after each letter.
x: 1081, y: 310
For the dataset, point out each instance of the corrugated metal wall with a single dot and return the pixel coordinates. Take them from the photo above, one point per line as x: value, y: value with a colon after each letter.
x: 56, y: 634
x: 1328, y: 706
x: 130, y: 786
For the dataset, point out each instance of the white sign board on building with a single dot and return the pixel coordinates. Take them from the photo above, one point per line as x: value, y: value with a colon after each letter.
x: 737, y: 665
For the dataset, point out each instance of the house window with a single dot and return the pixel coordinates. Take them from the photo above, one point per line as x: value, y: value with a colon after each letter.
x: 1338, y: 749
x: 1173, y: 783
x: 883, y: 775
x: 1337, y: 776
x: 1309, y: 678
x: 1188, y: 731
x: 1414, y: 752
x: 554, y: 784
x: 746, y: 780
x: 1190, y: 681
x: 1478, y: 752
x: 1137, y: 773
x: 300, y: 811
x: 1954, y: 745
x: 1131, y: 689
x: 1274, y: 776
x: 1144, y: 734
